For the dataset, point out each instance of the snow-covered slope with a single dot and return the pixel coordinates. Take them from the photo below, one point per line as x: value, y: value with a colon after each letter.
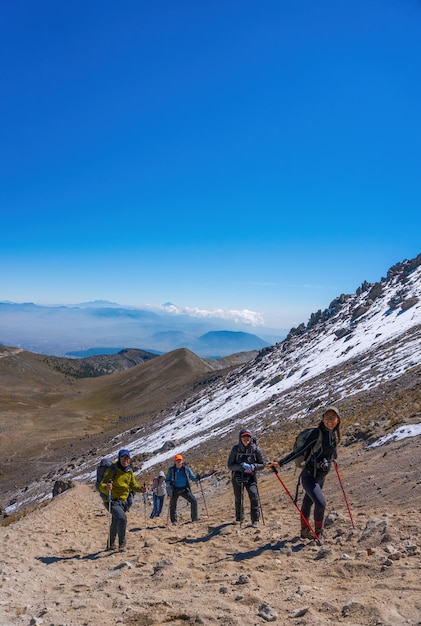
x: 377, y: 345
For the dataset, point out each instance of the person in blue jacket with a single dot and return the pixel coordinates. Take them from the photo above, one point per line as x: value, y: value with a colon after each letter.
x: 177, y: 481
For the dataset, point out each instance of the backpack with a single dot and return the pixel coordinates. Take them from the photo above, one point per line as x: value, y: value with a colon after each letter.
x: 102, y: 467
x: 301, y: 440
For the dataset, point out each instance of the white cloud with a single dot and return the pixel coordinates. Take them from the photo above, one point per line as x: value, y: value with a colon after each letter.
x: 244, y: 316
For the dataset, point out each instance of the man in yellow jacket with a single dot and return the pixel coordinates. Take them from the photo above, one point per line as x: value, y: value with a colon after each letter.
x: 117, y: 483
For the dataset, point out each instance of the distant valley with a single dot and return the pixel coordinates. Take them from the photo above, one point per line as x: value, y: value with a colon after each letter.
x: 79, y: 330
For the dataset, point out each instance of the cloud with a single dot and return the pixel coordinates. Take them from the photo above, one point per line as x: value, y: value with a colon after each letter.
x: 252, y: 318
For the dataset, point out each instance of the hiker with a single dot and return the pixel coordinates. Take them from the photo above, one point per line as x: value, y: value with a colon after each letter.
x: 158, y: 494
x: 117, y: 483
x: 177, y: 481
x: 245, y: 459
x: 316, y: 467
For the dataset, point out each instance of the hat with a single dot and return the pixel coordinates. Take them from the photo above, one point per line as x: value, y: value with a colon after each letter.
x: 245, y: 432
x: 178, y: 457
x: 123, y: 453
x: 333, y: 409
x: 162, y: 474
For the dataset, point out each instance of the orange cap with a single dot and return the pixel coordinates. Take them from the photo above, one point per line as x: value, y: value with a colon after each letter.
x: 178, y: 457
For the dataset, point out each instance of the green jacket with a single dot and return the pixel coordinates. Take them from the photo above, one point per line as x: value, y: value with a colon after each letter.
x: 124, y: 482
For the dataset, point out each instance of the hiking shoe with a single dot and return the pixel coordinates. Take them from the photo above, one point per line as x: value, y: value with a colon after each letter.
x: 255, y: 524
x: 123, y: 547
x: 306, y: 533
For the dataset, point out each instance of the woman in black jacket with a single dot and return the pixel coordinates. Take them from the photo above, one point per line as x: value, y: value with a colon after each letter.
x: 245, y: 459
x: 319, y: 451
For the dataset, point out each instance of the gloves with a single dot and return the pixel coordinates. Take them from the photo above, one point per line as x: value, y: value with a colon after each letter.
x: 249, y: 469
x: 199, y: 476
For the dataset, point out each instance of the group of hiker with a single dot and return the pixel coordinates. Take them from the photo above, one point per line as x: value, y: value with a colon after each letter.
x: 318, y: 452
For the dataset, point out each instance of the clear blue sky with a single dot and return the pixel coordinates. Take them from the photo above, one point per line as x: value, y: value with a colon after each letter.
x: 222, y: 155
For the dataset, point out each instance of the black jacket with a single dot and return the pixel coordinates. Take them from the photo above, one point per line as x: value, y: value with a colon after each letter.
x: 250, y: 454
x: 320, y: 462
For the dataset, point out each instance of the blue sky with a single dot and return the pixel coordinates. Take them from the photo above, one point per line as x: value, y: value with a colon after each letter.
x: 259, y: 156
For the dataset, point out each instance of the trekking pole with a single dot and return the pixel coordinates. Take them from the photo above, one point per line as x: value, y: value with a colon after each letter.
x: 307, y: 523
x: 168, y: 510
x: 260, y: 504
x: 109, y: 520
x: 343, y: 491
x: 204, y: 500
x: 145, y: 496
x: 242, y: 500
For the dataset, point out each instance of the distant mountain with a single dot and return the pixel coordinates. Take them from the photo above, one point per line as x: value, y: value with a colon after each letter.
x: 99, y: 363
x: 223, y: 341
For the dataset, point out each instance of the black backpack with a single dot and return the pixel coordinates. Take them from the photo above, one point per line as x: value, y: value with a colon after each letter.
x: 301, y: 439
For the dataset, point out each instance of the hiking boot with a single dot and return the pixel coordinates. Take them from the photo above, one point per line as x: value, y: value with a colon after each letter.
x: 306, y: 533
x: 255, y: 524
x: 123, y: 547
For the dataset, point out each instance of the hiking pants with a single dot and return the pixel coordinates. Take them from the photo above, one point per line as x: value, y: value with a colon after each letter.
x: 187, y: 495
x: 118, y: 521
x: 158, y: 502
x: 313, y: 486
x: 253, y: 495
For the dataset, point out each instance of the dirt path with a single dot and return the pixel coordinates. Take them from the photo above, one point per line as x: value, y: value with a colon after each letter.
x: 54, y: 570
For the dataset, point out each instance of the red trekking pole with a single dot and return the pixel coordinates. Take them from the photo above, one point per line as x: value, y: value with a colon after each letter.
x: 307, y: 523
x: 343, y: 491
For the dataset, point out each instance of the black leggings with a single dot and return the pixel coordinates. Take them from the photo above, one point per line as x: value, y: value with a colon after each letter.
x: 313, y: 486
x: 239, y: 500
